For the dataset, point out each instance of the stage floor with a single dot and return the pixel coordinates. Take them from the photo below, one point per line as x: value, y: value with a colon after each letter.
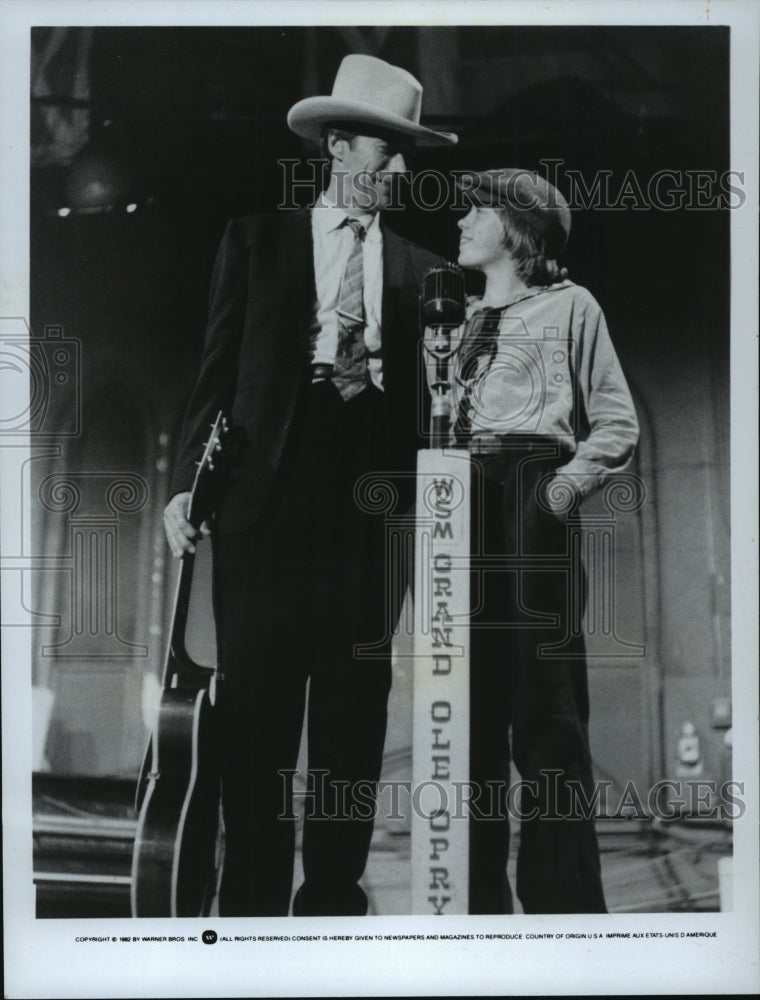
x: 84, y: 829
x: 643, y: 871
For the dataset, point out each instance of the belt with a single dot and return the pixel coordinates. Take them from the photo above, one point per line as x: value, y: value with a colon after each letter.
x: 321, y: 373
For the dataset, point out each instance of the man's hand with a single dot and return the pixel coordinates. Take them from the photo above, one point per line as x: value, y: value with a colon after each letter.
x: 180, y: 534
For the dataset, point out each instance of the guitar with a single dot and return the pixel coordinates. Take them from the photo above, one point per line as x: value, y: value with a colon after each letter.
x: 174, y: 861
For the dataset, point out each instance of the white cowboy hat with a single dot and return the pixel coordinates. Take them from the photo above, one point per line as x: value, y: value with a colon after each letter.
x: 369, y: 91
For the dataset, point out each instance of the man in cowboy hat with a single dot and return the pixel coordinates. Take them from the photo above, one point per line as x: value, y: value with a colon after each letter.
x: 312, y: 349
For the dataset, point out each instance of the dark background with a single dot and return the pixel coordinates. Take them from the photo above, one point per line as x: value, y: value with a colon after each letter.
x: 197, y: 119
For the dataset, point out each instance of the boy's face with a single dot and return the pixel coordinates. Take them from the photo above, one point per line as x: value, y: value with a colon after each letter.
x: 481, y: 239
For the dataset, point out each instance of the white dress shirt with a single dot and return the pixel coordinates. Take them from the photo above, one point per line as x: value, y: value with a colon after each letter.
x: 332, y: 245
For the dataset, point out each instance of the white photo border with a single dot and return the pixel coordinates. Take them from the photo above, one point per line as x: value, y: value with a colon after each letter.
x: 43, y: 957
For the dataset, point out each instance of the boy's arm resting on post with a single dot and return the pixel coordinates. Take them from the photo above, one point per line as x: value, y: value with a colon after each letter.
x: 215, y: 386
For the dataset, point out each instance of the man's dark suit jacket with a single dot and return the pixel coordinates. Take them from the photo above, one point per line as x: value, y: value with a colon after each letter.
x: 255, y: 360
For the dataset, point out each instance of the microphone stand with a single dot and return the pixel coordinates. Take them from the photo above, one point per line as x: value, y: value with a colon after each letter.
x: 441, y: 686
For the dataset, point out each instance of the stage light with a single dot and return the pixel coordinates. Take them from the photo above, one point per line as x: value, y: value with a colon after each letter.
x: 102, y: 179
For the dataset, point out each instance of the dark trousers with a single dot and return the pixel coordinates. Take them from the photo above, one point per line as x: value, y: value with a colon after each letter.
x: 292, y: 598
x: 526, y: 707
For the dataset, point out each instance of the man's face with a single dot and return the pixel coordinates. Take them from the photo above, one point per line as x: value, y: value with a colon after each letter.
x: 481, y: 239
x: 365, y: 168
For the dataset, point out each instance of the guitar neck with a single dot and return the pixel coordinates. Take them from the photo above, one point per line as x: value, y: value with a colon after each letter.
x: 180, y: 670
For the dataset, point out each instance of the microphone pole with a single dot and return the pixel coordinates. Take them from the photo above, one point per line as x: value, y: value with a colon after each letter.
x: 441, y: 683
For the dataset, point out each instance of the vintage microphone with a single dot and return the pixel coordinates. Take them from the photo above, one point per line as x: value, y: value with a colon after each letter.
x: 442, y: 307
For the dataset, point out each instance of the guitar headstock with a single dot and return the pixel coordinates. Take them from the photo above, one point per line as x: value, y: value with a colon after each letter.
x: 215, y: 443
x: 207, y: 467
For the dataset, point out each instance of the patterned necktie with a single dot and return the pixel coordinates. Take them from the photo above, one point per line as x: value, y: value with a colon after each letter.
x: 350, y: 369
x: 479, y: 339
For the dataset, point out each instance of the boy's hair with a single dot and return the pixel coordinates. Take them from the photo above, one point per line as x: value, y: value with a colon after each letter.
x: 528, y: 249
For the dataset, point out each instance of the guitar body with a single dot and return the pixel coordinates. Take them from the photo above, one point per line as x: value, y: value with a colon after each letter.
x: 175, y: 856
x: 174, y: 864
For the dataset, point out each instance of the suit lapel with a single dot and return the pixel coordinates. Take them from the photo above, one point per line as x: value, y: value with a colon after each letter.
x: 393, y: 276
x: 295, y: 275
x: 398, y: 298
